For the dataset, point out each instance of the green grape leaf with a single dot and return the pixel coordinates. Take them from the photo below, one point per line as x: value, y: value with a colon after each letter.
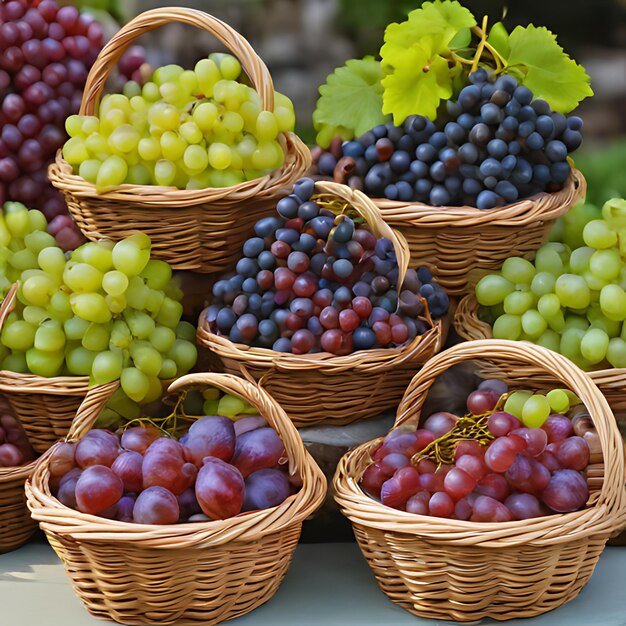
x: 499, y: 39
x: 351, y: 98
x: 420, y: 79
x: 549, y: 72
x: 451, y: 16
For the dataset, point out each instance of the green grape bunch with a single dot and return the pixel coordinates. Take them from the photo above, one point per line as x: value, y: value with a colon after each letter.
x: 106, y: 310
x: 189, y: 129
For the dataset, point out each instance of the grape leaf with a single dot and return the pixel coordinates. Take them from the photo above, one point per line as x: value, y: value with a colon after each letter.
x: 352, y: 98
x: 450, y: 16
x: 499, y: 39
x: 549, y: 72
x: 420, y: 79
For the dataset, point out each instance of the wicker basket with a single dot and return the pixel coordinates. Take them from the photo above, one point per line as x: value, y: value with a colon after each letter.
x: 465, y: 571
x: 461, y: 244
x: 44, y: 406
x: 199, y: 230
x: 612, y: 382
x: 202, y: 572
x: 324, y: 388
x: 16, y: 525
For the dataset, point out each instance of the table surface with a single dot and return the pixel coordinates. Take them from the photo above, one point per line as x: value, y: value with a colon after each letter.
x: 328, y: 584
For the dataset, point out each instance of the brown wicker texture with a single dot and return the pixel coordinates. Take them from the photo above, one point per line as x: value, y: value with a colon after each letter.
x: 200, y: 230
x: 612, y: 382
x: 16, y: 525
x: 324, y: 388
x: 451, y: 569
x: 193, y: 573
x: 461, y: 244
x: 44, y: 406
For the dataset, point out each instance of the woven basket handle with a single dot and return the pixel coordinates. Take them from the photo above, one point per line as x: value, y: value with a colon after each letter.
x: 89, y: 410
x: 508, y: 353
x: 8, y: 303
x: 259, y: 398
x: 372, y: 215
x: 155, y: 18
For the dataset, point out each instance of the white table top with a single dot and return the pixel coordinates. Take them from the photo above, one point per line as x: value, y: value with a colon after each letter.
x: 327, y: 585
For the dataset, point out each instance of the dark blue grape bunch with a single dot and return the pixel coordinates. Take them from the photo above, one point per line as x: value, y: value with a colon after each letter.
x: 494, y: 145
x: 311, y: 280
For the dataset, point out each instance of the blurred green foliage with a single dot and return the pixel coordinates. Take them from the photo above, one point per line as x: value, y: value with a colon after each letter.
x: 605, y: 170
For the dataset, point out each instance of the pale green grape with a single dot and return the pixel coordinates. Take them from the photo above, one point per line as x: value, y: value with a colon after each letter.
x: 110, y: 120
x: 205, y: 115
x: 165, y: 116
x: 149, y: 148
x: 266, y: 157
x: 97, y: 337
x: 266, y: 126
x: 34, y: 315
x: 518, y: 270
x: 123, y: 405
x: 17, y: 219
x: 20, y: 335
x: 518, y: 302
x: 593, y: 282
x: 576, y: 321
x: 167, y: 73
x: 208, y: 74
x: 79, y: 361
x: 612, y: 302
x: 74, y: 125
x: 170, y: 313
x: 45, y: 363
x: 157, y: 274
x: 125, y: 138
x: 196, y: 158
x: 50, y: 337
x: 184, y: 354
x: 137, y: 294
x: 36, y: 219
x: 548, y: 260
x: 150, y: 92
x: 549, y: 305
x: 173, y: 93
x: 15, y: 362
x: 75, y: 151
x: 37, y: 290
x: 186, y: 331
x: 82, y: 277
x: 172, y: 146
x: 285, y: 117
x: 598, y: 234
x: 89, y: 170
x: 155, y: 390
x: 209, y: 407
x: 579, y: 260
x: 550, y: 339
x: 121, y: 337
x: 164, y: 172
x: 168, y: 369
x: 543, y: 283
x: 515, y: 403
x: 559, y: 401
x: 492, y: 289
x: 191, y: 133
x: 60, y: 307
x: 597, y: 319
x: 130, y: 258
x: 230, y: 67
x: 38, y: 241
x: 533, y: 324
x: 97, y: 254
x: 219, y: 156
x: 571, y: 339
x: 147, y: 359
x: 23, y: 260
x: 189, y: 82
x: 112, y: 172
x: 231, y: 406
x: 75, y: 328
x: 573, y: 291
x: 91, y: 307
x: 97, y: 145
x: 616, y: 352
x: 507, y: 327
x: 134, y: 383
x: 115, y: 282
x: 594, y: 345
x: 153, y: 300
x: 138, y: 174
x: 536, y: 411
x: 232, y: 122
x: 116, y: 304
x: 606, y: 264
x: 141, y: 325
x: 106, y: 367
x: 162, y: 338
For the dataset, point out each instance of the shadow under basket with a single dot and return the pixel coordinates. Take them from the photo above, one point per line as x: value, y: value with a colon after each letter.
x: 45, y: 407
x: 189, y: 573
x: 462, y: 244
x: 322, y: 388
x: 200, y: 230
x: 448, y: 569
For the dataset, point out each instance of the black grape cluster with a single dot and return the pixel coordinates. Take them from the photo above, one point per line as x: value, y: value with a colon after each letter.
x: 311, y: 281
x: 494, y: 145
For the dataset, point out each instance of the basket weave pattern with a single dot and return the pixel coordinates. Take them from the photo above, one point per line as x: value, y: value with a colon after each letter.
x: 16, y: 525
x: 324, y: 388
x: 200, y: 230
x: 44, y: 406
x: 612, y: 382
x: 461, y: 244
x: 451, y: 569
x: 202, y: 572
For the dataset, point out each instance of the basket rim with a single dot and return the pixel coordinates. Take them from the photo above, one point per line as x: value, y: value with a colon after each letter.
x: 602, y: 517
x: 542, y: 206
x: 59, y: 519
x: 467, y: 310
x: 297, y: 159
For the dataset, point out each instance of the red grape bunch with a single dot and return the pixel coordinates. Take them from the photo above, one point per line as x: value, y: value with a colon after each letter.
x: 15, y: 449
x: 523, y: 472
x: 220, y: 468
x: 313, y: 281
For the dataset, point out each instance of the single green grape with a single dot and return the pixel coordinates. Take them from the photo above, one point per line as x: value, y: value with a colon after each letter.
x: 515, y: 403
x: 536, y: 411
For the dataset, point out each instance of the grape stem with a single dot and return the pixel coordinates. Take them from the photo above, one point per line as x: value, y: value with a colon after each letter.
x: 481, y: 32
